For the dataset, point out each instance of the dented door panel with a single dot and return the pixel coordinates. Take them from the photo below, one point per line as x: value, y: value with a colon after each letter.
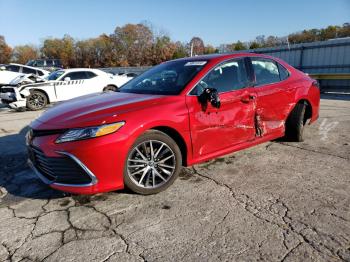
x: 214, y: 129
x: 273, y: 106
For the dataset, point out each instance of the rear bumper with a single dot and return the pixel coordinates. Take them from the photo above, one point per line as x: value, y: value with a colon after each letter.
x: 314, y: 97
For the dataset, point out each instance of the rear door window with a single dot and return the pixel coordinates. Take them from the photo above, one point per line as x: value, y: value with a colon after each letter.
x: 266, y: 71
x: 26, y: 70
x: 77, y: 75
x: 90, y: 74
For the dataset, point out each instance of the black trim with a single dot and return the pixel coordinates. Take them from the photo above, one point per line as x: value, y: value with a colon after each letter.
x: 58, y: 169
x: 250, y: 71
x: 36, y: 133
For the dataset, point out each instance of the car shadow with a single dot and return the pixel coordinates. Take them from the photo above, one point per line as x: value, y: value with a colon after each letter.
x: 15, y: 175
x: 18, y: 179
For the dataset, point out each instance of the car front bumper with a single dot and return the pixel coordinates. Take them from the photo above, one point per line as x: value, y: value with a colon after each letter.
x: 12, y: 99
x: 102, y: 159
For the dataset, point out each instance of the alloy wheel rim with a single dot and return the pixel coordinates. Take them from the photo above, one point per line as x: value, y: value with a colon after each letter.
x: 36, y: 100
x: 151, y: 164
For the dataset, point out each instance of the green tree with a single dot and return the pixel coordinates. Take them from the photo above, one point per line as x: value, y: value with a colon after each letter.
x: 197, y: 46
x: 209, y: 49
x: 180, y: 50
x: 63, y: 49
x: 5, y: 51
x: 163, y: 49
x: 254, y: 45
x: 239, y: 46
x: 133, y: 43
x: 23, y: 53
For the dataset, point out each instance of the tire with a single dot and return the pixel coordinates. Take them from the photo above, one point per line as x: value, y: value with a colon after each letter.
x: 295, y: 123
x: 110, y: 88
x: 166, y: 160
x: 37, y: 100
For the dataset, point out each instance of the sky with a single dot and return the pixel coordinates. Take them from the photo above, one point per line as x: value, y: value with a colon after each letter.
x: 215, y: 21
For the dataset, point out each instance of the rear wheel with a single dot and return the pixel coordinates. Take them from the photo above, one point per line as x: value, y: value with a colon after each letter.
x: 36, y: 100
x: 153, y: 163
x: 110, y: 88
x: 295, y: 123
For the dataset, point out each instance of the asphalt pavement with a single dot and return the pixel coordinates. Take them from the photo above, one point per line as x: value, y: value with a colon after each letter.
x: 279, y: 201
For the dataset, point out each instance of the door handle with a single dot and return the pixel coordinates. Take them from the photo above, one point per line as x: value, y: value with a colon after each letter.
x: 247, y: 98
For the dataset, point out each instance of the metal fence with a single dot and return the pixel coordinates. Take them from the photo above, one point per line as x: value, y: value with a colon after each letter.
x: 329, y: 61
x: 118, y: 70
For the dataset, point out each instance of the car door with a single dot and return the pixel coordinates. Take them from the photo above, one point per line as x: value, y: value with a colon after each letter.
x: 273, y: 95
x: 72, y: 84
x: 94, y: 83
x: 214, y: 129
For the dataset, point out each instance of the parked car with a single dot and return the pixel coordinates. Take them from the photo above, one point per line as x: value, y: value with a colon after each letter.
x: 178, y: 113
x: 60, y: 85
x: 11, y: 71
x: 48, y: 64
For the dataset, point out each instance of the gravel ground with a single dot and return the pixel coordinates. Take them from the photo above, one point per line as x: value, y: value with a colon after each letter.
x: 277, y: 201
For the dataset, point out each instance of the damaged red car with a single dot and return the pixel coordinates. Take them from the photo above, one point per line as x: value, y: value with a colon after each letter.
x: 178, y: 113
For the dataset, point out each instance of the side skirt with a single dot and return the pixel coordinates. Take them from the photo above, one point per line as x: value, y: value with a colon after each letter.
x: 235, y: 148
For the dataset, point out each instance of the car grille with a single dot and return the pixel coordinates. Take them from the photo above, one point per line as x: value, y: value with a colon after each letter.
x: 58, y: 169
x: 36, y: 133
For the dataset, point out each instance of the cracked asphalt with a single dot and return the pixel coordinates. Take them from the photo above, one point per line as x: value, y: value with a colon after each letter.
x: 279, y: 201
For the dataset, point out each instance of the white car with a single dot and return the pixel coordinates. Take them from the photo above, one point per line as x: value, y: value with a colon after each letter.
x: 61, y: 85
x: 11, y: 71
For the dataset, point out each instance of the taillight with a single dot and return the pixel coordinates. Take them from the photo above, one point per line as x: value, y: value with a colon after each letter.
x: 316, y: 84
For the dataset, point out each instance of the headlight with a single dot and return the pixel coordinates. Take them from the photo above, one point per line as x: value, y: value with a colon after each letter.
x: 89, y: 132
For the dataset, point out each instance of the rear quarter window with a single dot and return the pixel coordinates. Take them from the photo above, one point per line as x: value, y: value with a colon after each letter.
x: 284, y: 74
x: 266, y: 71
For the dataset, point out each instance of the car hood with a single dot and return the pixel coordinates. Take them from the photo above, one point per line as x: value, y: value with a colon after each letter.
x: 92, y: 110
x: 37, y: 84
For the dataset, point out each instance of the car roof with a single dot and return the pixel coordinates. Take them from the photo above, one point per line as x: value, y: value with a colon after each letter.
x: 81, y: 69
x: 223, y: 56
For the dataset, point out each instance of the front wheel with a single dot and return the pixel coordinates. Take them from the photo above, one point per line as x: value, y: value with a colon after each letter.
x: 36, y: 100
x: 153, y: 163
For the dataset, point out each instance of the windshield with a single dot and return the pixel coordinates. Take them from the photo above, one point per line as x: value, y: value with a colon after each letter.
x: 165, y: 79
x: 55, y: 75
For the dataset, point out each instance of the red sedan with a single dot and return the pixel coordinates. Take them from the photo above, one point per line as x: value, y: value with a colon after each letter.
x: 176, y: 114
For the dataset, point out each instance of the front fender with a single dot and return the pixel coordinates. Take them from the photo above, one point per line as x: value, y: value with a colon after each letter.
x: 25, y: 92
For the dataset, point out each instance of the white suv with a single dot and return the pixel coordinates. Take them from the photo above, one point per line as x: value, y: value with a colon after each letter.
x: 61, y: 85
x: 11, y: 71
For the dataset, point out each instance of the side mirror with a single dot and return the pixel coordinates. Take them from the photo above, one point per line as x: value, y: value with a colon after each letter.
x: 67, y: 78
x: 210, y: 95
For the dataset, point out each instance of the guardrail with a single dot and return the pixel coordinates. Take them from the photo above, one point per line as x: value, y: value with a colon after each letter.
x: 131, y: 69
x: 330, y: 76
x: 328, y: 82
x: 327, y: 61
